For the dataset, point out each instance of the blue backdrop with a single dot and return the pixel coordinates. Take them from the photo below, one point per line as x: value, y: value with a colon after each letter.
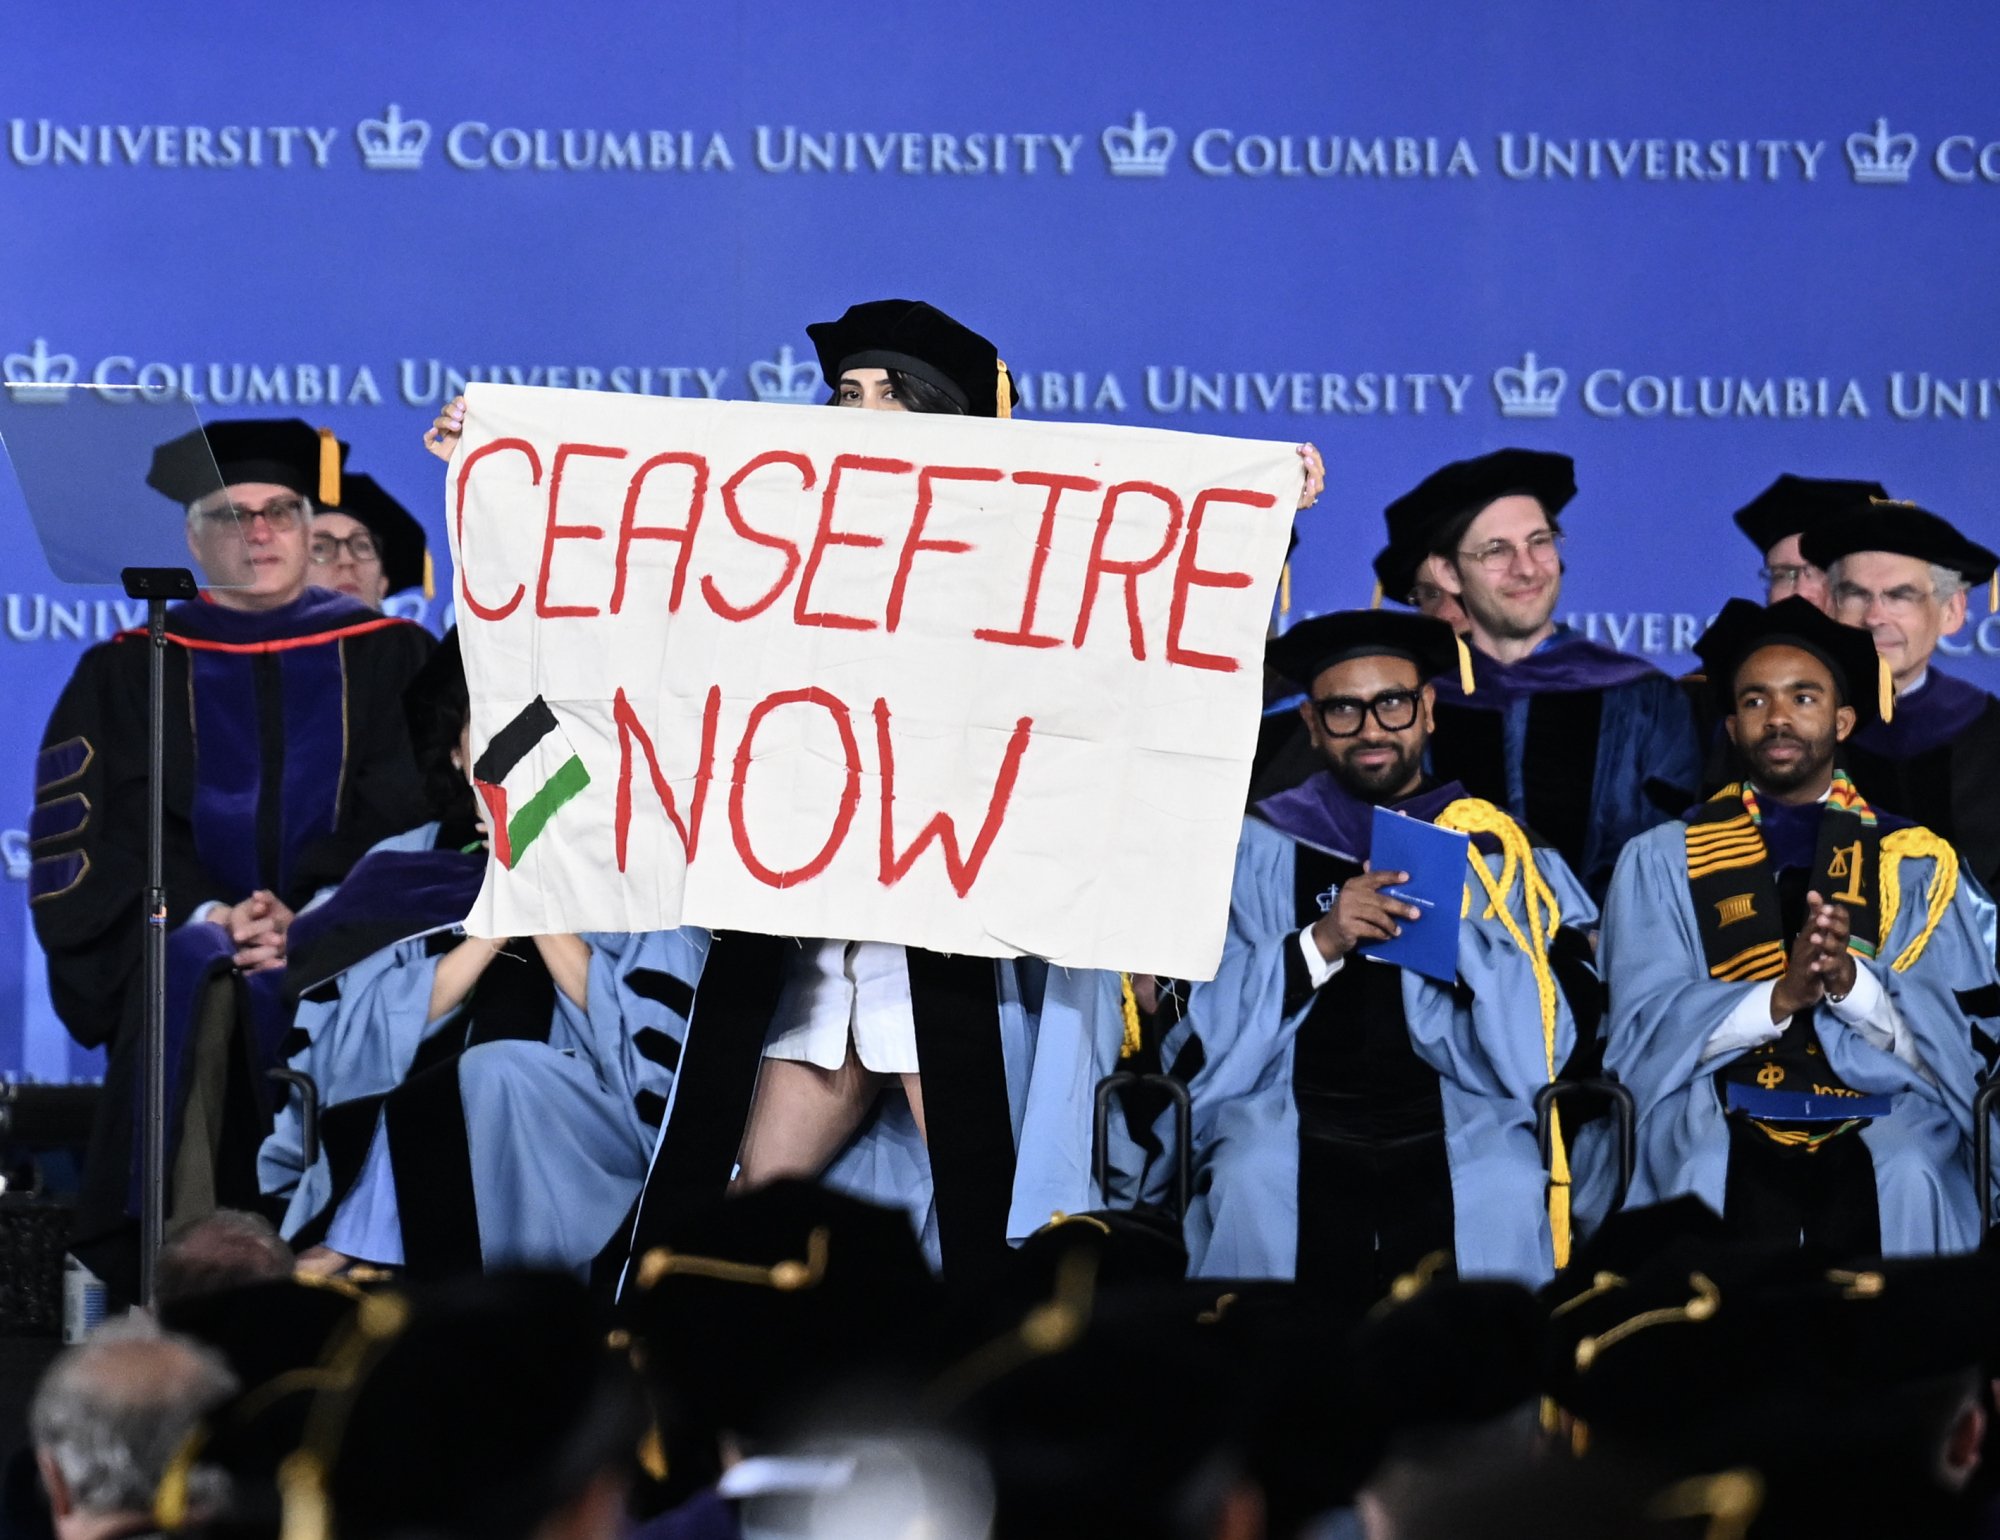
x: 1691, y: 243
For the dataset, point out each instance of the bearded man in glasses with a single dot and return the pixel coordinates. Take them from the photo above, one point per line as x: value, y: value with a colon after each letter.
x: 1905, y: 575
x: 1584, y: 744
x: 1352, y: 1117
x: 286, y: 758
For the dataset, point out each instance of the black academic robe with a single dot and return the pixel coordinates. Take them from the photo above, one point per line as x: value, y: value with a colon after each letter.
x: 286, y: 759
x: 1937, y: 762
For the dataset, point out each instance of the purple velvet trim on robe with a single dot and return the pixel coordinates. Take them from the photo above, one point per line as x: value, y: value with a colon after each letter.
x: 1566, y: 662
x: 1935, y: 713
x: 1320, y: 812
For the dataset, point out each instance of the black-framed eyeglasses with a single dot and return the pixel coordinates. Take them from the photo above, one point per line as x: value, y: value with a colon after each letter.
x: 1340, y: 716
x: 1543, y: 548
x: 359, y: 546
x: 1786, y: 576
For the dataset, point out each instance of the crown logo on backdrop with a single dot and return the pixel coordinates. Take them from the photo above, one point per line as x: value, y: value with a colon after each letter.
x: 393, y: 142
x: 786, y: 379
x: 1136, y: 149
x: 1881, y: 159
x: 38, y: 375
x: 1529, y: 391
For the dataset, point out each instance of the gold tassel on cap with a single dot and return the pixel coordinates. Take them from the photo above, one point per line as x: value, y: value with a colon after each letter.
x: 1285, y: 593
x: 1885, y: 688
x: 430, y: 575
x: 1375, y: 599
x: 1003, y: 391
x: 329, y: 469
x: 1128, y: 1000
x: 1993, y: 593
x: 1464, y: 664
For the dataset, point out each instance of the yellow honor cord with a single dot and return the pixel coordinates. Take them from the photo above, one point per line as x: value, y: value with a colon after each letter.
x: 1897, y: 847
x: 1470, y: 815
x: 1003, y: 392
x: 1464, y: 664
x: 329, y: 469
x: 1129, y: 1001
x: 1885, y: 689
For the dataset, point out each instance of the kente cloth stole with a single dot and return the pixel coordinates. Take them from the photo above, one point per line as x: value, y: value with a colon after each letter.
x: 1735, y: 891
x: 1738, y: 912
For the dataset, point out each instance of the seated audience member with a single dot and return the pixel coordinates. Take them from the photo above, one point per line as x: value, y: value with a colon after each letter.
x: 1583, y: 744
x: 1800, y: 985
x: 1844, y: 1401
x: 109, y: 1417
x: 486, y: 1102
x: 285, y: 761
x: 1903, y: 574
x: 488, y: 1408
x: 1351, y: 1117
x: 225, y: 1250
x: 368, y: 546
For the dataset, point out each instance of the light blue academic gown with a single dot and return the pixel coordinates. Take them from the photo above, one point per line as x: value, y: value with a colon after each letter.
x: 1488, y: 1051
x: 557, y: 1132
x: 1664, y: 1007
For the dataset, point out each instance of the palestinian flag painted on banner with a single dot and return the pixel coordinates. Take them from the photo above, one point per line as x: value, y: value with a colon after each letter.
x: 526, y: 774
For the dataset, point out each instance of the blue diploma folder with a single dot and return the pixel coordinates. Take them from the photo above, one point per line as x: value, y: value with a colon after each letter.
x: 1435, y: 859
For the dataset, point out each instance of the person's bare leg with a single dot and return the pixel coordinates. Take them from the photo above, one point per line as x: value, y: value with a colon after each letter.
x: 801, y: 1116
x: 913, y: 1088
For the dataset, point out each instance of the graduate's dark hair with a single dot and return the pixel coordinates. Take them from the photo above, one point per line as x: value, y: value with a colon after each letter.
x: 436, y: 704
x: 915, y: 394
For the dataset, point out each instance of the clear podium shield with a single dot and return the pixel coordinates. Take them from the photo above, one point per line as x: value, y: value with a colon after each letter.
x: 82, y: 453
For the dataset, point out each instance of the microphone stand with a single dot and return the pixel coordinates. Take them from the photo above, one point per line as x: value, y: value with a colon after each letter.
x: 156, y: 585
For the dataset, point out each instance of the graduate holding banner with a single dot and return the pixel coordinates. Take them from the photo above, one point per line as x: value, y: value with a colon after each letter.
x: 1803, y: 997
x: 726, y: 601
x: 1352, y: 1116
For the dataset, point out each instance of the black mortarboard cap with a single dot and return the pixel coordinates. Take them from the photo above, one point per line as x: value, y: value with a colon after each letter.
x: 1743, y: 626
x: 754, y: 1307
x: 1453, y: 1354
x: 265, y: 1329
x: 1312, y: 646
x: 1396, y: 571
x: 496, y: 1403
x: 398, y: 535
x: 1431, y: 516
x: 918, y: 339
x: 1902, y: 529
x: 284, y: 451
x: 1793, y: 504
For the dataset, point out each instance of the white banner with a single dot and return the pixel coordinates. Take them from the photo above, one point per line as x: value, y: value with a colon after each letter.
x: 978, y: 686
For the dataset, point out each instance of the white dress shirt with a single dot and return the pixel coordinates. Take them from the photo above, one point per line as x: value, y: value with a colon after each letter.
x: 837, y: 992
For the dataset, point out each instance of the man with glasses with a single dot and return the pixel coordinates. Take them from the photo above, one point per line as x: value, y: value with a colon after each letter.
x: 1903, y: 574
x: 1584, y: 744
x: 368, y: 546
x: 1350, y: 1117
x: 1777, y: 517
x: 286, y: 759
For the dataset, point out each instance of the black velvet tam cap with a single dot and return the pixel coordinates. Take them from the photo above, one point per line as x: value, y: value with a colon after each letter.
x: 283, y: 451
x: 1901, y: 529
x: 1793, y: 504
x: 1311, y: 647
x: 918, y: 339
x: 1743, y: 627
x: 1431, y: 516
